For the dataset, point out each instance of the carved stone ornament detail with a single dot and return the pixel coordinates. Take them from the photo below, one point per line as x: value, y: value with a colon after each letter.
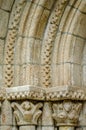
x: 50, y: 94
x: 66, y: 113
x: 66, y: 92
x: 27, y: 112
x: 25, y: 92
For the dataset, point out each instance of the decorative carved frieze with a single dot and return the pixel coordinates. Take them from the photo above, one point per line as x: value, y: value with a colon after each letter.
x: 10, y: 40
x: 27, y: 112
x: 66, y: 108
x: 66, y: 113
x: 49, y: 94
x: 25, y: 92
x: 65, y: 92
x: 48, y: 41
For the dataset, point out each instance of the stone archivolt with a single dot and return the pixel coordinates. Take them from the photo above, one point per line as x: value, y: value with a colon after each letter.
x: 48, y: 42
x: 65, y: 111
x: 11, y: 37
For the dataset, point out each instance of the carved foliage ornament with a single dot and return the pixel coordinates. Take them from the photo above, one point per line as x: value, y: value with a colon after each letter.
x: 66, y: 113
x: 27, y: 112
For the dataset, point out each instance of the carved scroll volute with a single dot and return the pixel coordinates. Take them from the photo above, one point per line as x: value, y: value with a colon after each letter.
x: 66, y: 113
x: 27, y: 113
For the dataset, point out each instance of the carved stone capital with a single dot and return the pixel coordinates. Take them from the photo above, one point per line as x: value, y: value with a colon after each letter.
x: 66, y: 113
x: 26, y: 112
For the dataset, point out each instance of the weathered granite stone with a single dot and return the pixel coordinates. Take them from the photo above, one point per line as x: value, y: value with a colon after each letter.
x: 42, y: 64
x: 7, y: 5
x: 66, y: 128
x: 4, y: 17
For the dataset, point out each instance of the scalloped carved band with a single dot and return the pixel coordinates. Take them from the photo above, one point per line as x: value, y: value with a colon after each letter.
x: 48, y: 94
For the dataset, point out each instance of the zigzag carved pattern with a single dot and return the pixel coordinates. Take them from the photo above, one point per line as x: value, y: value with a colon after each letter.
x: 11, y: 37
x: 48, y: 43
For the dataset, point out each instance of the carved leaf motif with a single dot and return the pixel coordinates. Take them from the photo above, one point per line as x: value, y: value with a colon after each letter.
x: 55, y: 108
x: 37, y: 112
x: 36, y: 116
x: 66, y: 112
x: 27, y: 113
x: 59, y: 113
x: 67, y: 106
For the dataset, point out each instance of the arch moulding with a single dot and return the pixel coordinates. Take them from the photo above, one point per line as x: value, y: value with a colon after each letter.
x: 44, y: 65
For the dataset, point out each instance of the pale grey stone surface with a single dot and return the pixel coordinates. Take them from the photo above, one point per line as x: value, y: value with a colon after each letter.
x: 45, y: 49
x: 47, y: 128
x: 6, y: 4
x: 27, y: 127
x: 4, y: 17
x: 66, y: 128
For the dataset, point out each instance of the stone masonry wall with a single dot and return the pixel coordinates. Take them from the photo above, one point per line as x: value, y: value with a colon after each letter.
x: 43, y: 45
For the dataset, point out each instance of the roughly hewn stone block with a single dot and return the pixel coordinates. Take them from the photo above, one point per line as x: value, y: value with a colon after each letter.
x: 0, y: 3
x: 42, y: 23
x: 4, y: 17
x: 7, y: 4
x: 1, y: 75
x: 78, y: 25
x: 1, y: 51
x: 6, y: 127
x: 48, y: 3
x: 84, y: 75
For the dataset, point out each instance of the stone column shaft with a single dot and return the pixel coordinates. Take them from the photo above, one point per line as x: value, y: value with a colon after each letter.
x: 6, y: 116
x: 47, y: 120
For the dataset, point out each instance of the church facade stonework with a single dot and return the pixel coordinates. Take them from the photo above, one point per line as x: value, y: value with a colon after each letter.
x: 42, y: 65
